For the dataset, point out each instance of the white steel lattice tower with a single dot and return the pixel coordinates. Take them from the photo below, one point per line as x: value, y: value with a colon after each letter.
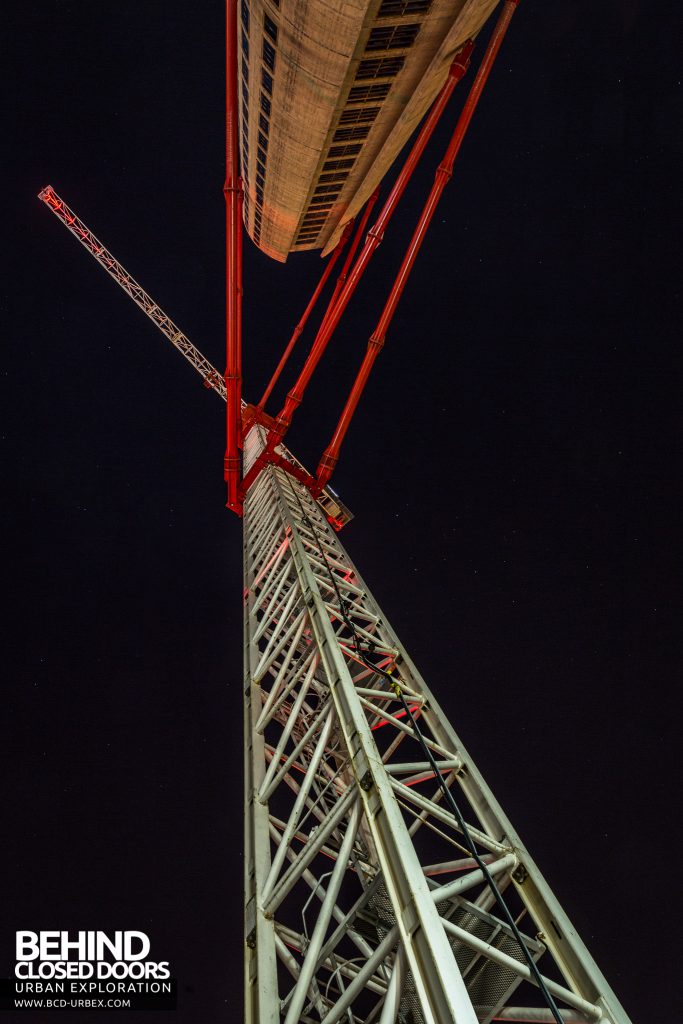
x: 370, y: 894
x: 362, y: 899
x: 365, y: 892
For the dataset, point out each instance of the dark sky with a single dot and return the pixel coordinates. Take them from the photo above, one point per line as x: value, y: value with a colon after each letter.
x: 512, y: 469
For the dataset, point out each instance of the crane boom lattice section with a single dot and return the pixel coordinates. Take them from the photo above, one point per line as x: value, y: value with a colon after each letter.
x: 212, y: 378
x: 363, y: 901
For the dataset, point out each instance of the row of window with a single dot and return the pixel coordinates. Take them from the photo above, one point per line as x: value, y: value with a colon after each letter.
x: 355, y: 122
x: 244, y: 90
x: 269, y: 57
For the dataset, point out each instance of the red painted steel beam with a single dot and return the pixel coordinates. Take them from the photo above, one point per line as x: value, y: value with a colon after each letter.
x: 233, y: 267
x: 442, y: 177
x: 374, y: 237
x: 349, y: 258
x: 299, y: 474
x: 329, y: 267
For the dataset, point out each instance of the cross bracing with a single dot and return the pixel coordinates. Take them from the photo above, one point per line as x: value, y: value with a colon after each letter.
x: 362, y: 899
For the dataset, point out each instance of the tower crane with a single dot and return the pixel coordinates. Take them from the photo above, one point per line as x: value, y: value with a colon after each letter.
x: 383, y: 882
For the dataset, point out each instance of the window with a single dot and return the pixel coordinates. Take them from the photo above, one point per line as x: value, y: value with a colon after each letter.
x: 245, y: 92
x: 261, y: 168
x: 261, y: 155
x: 363, y: 93
x: 269, y: 55
x: 245, y: 45
x: 400, y: 8
x: 327, y: 190
x: 245, y: 15
x: 338, y: 165
x: 351, y: 150
x: 270, y: 28
x: 379, y: 67
x: 264, y: 123
x: 392, y: 37
x: 346, y: 134
x: 325, y: 179
x: 263, y: 141
x: 267, y: 81
x: 359, y: 115
x: 265, y: 104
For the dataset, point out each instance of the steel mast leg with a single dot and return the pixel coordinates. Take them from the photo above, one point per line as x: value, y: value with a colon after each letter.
x: 329, y: 267
x: 330, y: 457
x: 233, y: 267
x: 360, y: 231
x: 295, y: 396
x: 334, y: 312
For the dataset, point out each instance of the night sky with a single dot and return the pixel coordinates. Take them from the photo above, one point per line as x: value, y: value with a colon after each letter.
x: 512, y: 469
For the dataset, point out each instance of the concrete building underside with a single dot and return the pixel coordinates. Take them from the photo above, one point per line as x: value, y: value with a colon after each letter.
x: 329, y: 95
